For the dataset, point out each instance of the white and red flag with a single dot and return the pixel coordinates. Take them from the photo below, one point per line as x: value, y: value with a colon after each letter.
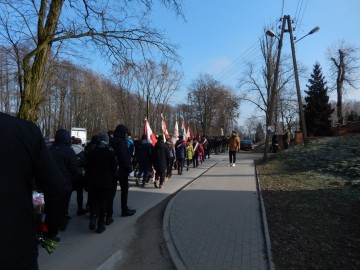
x: 164, y: 129
x: 183, y: 130
x: 176, y: 130
x: 191, y: 134
x: 150, y: 135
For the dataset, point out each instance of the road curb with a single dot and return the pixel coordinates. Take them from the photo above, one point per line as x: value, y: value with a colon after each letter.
x: 173, y: 251
x: 264, y: 223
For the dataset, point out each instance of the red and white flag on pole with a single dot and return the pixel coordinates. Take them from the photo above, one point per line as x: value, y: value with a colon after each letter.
x: 176, y: 130
x: 163, y: 127
x: 150, y: 135
x: 183, y: 130
x: 191, y: 134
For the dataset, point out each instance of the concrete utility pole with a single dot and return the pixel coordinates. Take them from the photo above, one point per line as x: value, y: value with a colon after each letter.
x: 285, y: 20
x: 301, y: 109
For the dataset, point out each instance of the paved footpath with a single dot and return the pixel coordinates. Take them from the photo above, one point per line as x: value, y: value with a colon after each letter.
x: 216, y: 221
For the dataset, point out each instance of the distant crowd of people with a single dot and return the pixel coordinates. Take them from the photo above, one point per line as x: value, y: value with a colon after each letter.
x: 158, y: 162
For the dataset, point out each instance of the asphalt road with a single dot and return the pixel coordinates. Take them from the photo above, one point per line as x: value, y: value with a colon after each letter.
x: 134, y: 242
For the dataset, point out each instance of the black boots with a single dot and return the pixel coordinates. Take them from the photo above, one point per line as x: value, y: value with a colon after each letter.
x: 92, y: 222
x: 100, y: 225
x: 108, y: 220
x: 128, y: 212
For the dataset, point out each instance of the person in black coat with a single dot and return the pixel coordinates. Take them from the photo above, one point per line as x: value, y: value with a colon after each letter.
x: 101, y: 177
x: 180, y: 150
x: 170, y: 166
x: 160, y: 156
x: 119, y: 144
x: 25, y: 165
x: 67, y: 162
x: 143, y: 158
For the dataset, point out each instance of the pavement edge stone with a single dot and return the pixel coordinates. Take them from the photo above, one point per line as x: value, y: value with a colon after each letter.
x: 264, y: 223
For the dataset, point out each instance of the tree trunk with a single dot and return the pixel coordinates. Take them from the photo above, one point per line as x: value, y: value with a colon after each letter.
x: 339, y: 103
x: 339, y: 86
x: 31, y: 98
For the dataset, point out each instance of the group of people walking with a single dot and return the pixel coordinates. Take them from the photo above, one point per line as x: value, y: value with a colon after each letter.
x: 159, y: 161
x: 27, y: 164
x: 97, y: 168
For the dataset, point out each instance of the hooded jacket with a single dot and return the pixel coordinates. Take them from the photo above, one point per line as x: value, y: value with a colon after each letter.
x: 143, y: 153
x: 65, y: 157
x: 101, y: 166
x: 119, y: 144
x: 160, y: 156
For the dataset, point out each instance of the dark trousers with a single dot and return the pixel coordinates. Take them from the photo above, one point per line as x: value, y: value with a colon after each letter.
x: 79, y: 197
x: 124, y: 185
x: 195, y: 160
x: 67, y: 201
x: 144, y: 172
x: 180, y: 164
x: 160, y: 175
x: 188, y: 162
x: 232, y: 156
x: 100, y: 197
x: 170, y: 167
x: 207, y: 153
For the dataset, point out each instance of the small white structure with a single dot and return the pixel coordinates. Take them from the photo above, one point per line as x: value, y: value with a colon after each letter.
x: 79, y: 133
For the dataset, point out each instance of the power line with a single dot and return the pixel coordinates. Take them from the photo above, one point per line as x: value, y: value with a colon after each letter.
x: 234, y: 67
x: 252, y: 53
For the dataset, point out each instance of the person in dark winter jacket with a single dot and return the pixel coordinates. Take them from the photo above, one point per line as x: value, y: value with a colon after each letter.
x: 143, y: 158
x: 160, y: 157
x: 119, y: 145
x: 101, y: 175
x: 171, y: 149
x: 66, y: 160
x: 78, y: 184
x: 180, y: 150
x: 275, y: 143
x: 26, y: 165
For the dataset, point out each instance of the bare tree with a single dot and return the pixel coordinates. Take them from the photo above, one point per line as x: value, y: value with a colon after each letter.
x: 119, y: 29
x: 156, y: 82
x: 345, y: 67
x: 212, y: 105
x: 257, y: 89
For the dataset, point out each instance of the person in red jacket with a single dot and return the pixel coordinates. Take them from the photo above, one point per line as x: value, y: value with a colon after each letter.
x: 26, y: 165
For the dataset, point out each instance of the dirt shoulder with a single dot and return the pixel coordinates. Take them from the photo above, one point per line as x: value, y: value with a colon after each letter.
x: 312, y: 201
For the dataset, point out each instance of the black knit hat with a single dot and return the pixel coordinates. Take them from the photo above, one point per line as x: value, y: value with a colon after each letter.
x: 121, y: 131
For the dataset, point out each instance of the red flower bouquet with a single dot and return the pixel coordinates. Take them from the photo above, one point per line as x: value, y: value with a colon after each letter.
x: 41, y: 229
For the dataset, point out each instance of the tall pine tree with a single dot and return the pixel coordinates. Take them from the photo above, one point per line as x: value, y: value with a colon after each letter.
x: 317, y: 109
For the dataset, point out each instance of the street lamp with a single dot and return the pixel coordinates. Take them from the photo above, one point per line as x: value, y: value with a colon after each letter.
x: 272, y: 34
x: 317, y: 28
